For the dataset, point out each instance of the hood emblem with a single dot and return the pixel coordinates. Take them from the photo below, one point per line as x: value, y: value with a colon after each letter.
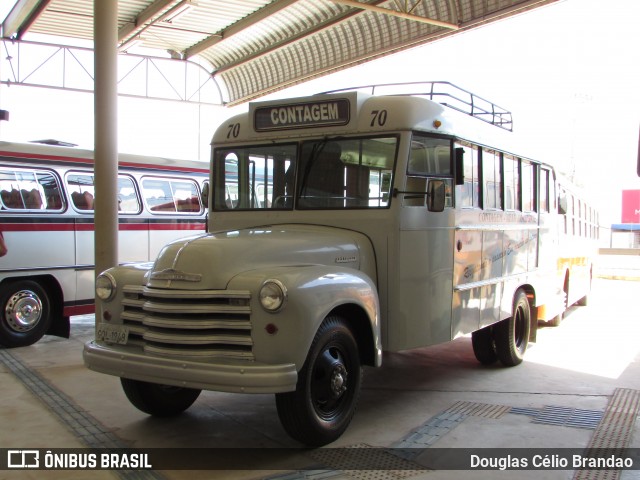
x: 172, y: 274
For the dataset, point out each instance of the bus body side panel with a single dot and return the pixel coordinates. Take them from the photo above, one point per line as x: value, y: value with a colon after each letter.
x: 422, y: 299
x: 133, y: 244
x: 42, y: 244
x: 491, y: 268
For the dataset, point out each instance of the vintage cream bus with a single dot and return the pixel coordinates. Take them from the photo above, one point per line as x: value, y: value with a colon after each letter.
x: 342, y: 225
x: 46, y: 219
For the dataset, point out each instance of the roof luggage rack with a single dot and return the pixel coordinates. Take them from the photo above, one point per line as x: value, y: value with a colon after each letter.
x: 446, y: 94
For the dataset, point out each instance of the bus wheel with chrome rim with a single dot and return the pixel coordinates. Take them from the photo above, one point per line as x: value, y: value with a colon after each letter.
x: 511, y: 336
x: 323, y: 404
x: 483, y: 346
x: 25, y: 315
x: 158, y: 400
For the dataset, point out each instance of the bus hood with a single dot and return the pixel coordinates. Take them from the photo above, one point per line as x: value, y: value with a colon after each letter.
x: 210, y: 261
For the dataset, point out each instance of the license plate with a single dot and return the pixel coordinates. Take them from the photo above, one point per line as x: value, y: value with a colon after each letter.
x: 113, y: 334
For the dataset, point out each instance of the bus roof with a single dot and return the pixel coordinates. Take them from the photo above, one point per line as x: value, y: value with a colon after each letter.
x: 82, y: 156
x: 354, y: 112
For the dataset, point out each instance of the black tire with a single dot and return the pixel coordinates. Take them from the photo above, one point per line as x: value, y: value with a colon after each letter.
x: 326, y: 395
x: 158, y: 400
x: 511, y: 335
x: 26, y: 313
x: 483, y: 346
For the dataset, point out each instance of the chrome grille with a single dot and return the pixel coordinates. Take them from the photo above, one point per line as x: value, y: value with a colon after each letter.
x: 189, y: 323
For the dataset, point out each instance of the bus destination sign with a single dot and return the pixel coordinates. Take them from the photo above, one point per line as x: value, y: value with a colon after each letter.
x: 302, y: 115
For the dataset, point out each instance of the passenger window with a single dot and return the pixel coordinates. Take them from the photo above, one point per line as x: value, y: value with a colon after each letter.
x: 29, y: 190
x: 428, y: 157
x: 468, y: 195
x: 511, y: 184
x: 128, y: 201
x: 82, y: 192
x: 544, y: 191
x: 163, y: 195
x: 492, y: 179
x: 528, y: 187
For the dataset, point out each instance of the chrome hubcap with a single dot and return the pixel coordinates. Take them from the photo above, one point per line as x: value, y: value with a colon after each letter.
x: 23, y: 311
x: 338, y: 381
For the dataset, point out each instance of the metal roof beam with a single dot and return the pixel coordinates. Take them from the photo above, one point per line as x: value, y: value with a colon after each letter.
x: 21, y: 17
x: 292, y: 39
x: 406, y: 15
x: 247, y: 22
x: 156, y: 12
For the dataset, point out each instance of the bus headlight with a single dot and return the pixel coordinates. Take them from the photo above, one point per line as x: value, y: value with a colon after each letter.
x: 273, y: 295
x: 105, y: 286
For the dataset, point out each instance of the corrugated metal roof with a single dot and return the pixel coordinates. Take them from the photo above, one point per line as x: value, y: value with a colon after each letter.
x: 257, y: 46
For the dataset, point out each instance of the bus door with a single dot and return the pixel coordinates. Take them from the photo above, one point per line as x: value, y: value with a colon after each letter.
x: 424, y: 249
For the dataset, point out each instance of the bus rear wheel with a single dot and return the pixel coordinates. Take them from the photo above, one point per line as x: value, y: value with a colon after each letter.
x: 511, y: 336
x: 158, y: 400
x: 324, y: 401
x: 26, y: 313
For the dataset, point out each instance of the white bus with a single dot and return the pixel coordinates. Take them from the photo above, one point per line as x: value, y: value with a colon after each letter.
x: 389, y: 223
x: 46, y: 218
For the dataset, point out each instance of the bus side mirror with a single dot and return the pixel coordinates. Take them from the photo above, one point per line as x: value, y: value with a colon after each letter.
x: 459, y: 157
x: 562, y: 204
x: 435, y: 195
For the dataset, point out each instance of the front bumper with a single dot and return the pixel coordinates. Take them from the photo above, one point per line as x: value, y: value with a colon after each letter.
x: 235, y: 378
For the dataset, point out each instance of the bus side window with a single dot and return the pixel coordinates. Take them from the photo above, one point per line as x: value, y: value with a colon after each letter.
x: 186, y: 196
x: 127, y: 196
x: 171, y: 195
x: 157, y: 195
x: 429, y: 157
x: 29, y: 190
x: 528, y: 187
x: 511, y: 184
x: 80, y: 185
x: 544, y: 191
x: 468, y: 194
x: 492, y: 179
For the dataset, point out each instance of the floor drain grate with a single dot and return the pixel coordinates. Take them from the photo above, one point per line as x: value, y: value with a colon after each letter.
x: 478, y: 409
x: 567, y: 416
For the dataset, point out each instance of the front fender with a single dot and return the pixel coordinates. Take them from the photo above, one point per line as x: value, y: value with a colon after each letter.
x: 313, y: 292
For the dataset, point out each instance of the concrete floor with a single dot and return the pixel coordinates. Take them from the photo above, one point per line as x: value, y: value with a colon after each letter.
x: 438, y: 397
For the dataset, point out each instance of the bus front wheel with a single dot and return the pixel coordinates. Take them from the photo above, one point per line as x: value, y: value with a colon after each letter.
x: 511, y: 336
x: 158, y: 400
x: 26, y: 313
x: 324, y: 401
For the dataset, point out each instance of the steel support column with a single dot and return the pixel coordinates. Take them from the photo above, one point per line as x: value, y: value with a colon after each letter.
x: 106, y: 133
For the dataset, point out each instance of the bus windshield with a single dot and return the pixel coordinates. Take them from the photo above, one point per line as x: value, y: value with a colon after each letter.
x: 321, y: 174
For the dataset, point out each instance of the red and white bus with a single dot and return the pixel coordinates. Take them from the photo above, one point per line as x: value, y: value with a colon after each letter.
x: 46, y: 218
